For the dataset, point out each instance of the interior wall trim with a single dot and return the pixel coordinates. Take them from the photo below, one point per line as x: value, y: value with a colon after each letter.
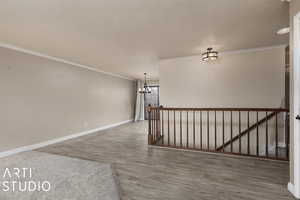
x: 253, y: 49
x: 58, y: 140
x: 291, y: 189
x: 238, y: 51
x: 34, y: 53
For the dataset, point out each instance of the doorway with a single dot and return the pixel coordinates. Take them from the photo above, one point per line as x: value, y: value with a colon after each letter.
x: 151, y: 99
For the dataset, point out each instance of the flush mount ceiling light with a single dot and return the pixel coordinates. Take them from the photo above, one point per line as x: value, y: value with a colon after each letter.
x: 210, y: 55
x: 283, y: 31
x: 146, y: 89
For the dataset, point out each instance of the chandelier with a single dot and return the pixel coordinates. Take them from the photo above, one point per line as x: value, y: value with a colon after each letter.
x: 210, y: 55
x: 146, y: 89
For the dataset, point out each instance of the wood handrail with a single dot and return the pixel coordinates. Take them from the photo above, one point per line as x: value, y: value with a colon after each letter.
x: 221, y: 109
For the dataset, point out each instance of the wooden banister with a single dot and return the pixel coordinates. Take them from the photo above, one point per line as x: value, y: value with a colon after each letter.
x: 167, y: 127
x: 222, y: 109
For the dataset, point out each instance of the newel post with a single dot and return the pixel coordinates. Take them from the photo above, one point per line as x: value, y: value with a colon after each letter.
x: 149, y: 125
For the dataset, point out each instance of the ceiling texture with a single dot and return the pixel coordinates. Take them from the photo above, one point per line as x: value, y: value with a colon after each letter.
x: 129, y: 37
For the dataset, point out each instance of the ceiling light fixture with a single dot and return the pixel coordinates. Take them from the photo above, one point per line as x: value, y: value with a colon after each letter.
x: 210, y: 55
x: 146, y: 89
x: 283, y: 31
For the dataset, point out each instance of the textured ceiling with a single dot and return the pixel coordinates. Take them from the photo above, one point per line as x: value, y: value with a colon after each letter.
x: 128, y: 37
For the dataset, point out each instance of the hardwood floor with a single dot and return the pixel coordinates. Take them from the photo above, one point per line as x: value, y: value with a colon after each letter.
x: 155, y: 173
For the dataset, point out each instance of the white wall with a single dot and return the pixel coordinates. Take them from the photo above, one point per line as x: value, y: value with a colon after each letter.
x: 294, y: 10
x: 241, y: 79
x: 244, y: 79
x: 43, y: 99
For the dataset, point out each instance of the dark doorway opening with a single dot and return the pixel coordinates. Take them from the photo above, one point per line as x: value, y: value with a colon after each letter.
x: 151, y: 99
x: 287, y: 77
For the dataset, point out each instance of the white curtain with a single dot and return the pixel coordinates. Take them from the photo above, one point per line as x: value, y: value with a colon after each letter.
x: 139, y: 106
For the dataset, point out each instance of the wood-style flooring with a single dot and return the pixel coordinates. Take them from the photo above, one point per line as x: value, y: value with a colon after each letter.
x: 156, y: 173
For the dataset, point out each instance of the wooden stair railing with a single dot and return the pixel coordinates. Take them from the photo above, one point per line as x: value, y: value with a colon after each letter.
x: 248, y: 130
x: 194, y: 129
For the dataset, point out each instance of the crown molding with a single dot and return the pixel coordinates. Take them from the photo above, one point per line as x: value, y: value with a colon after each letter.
x: 34, y: 53
x: 253, y: 49
x: 239, y: 51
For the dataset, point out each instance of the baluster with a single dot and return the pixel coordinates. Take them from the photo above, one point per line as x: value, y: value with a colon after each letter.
x: 152, y: 122
x: 149, y: 128
x: 194, y: 141
x: 257, y: 136
x: 155, y: 123
x: 158, y: 122
x: 174, y: 130
x: 168, y: 128
x: 276, y: 135
x: 240, y: 144
x: 201, y: 130
x: 207, y: 130
x: 187, y: 129
x: 215, y: 130
x: 231, y: 146
x: 180, y: 128
x: 248, y: 134
x: 162, y: 126
x: 287, y: 135
x: 223, y: 131
x: 267, y: 136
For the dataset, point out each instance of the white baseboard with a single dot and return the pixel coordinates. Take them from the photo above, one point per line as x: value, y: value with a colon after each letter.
x: 291, y: 189
x: 272, y: 148
x: 57, y: 140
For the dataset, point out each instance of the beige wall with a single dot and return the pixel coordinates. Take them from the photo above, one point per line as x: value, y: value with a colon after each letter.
x: 244, y: 79
x: 43, y: 99
x: 294, y: 9
x: 248, y: 79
